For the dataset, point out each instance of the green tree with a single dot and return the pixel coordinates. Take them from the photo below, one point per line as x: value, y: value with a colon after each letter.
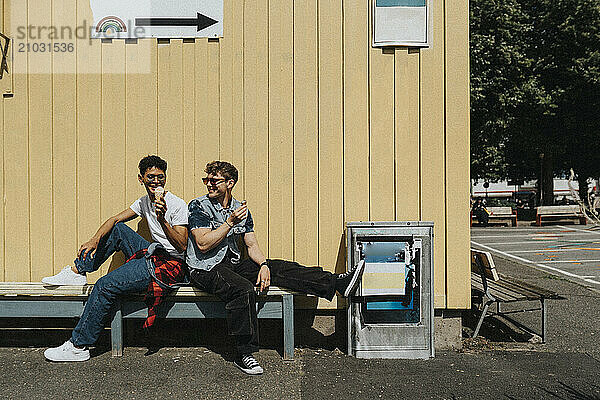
x: 535, y: 89
x: 565, y: 47
x: 498, y: 74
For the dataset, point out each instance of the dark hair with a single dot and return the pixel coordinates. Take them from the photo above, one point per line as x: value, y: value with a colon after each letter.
x: 224, y: 168
x: 152, y: 161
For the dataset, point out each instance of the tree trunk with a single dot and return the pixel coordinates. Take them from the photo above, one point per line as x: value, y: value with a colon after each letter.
x: 546, y: 181
x: 583, y: 188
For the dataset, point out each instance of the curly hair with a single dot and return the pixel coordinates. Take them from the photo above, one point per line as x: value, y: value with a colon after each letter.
x: 152, y: 161
x: 227, y: 170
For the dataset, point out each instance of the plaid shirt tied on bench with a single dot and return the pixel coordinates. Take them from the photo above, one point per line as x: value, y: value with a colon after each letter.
x: 166, y: 271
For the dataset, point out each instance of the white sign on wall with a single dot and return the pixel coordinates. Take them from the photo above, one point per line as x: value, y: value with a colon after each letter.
x: 402, y: 23
x: 157, y: 18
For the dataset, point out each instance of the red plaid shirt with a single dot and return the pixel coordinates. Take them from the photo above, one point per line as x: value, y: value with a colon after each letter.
x: 169, y: 271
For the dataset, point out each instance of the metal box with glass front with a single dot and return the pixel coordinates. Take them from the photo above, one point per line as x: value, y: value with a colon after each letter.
x: 391, y: 313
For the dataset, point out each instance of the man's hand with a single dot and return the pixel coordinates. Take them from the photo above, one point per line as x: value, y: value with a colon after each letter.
x: 264, y: 278
x: 161, y: 208
x: 88, y: 247
x: 238, y: 215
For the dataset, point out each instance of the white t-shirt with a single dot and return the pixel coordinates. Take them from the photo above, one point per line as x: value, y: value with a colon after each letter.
x: 177, y: 214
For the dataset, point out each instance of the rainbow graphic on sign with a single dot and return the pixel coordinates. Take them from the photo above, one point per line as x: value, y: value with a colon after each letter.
x: 111, y: 25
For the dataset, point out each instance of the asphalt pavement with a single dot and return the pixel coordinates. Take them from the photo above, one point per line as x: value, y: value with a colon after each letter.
x: 505, y: 362
x: 568, y: 251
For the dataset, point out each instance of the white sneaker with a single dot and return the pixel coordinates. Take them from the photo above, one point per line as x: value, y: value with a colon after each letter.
x: 65, y: 277
x: 67, y: 352
x: 248, y: 364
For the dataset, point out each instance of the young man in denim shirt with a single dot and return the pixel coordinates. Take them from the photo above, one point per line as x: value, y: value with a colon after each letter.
x: 216, y: 223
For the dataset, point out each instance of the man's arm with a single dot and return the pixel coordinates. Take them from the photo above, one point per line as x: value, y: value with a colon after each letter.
x: 176, y: 235
x: 90, y: 246
x: 256, y: 255
x: 207, y: 238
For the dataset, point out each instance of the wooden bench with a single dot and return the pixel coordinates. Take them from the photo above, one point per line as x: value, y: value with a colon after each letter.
x: 492, y: 287
x: 554, y: 213
x: 34, y: 300
x: 502, y: 214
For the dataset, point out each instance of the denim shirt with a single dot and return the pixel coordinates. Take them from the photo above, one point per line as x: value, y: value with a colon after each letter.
x: 206, y: 213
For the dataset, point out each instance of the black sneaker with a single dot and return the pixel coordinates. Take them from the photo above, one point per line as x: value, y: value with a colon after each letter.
x: 346, y: 282
x: 248, y: 364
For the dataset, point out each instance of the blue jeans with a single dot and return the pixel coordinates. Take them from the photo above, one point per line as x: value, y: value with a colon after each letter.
x: 131, y: 277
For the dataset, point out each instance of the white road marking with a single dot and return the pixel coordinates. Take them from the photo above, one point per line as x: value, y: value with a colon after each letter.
x: 524, y: 242
x: 557, y: 270
x: 549, y: 240
x: 531, y: 235
x: 553, y: 250
x: 580, y: 230
x: 574, y: 261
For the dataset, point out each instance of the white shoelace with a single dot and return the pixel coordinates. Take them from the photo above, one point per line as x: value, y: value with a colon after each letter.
x: 347, y: 273
x: 250, y: 361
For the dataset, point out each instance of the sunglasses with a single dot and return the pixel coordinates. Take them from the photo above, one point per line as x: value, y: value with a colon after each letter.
x: 159, y: 178
x: 213, y: 181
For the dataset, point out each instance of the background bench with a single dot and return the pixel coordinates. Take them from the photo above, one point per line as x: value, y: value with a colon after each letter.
x: 502, y: 214
x: 553, y: 213
x: 492, y: 287
x: 34, y: 300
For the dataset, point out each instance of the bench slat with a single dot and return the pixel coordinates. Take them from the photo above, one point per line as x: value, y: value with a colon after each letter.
x: 486, y: 261
x: 512, y: 291
x: 39, y: 289
x: 504, y: 212
x: 535, y: 290
x: 515, y: 289
x: 499, y: 292
x: 573, y: 210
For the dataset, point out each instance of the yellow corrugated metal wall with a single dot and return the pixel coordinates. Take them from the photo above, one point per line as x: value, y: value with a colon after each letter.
x: 323, y: 128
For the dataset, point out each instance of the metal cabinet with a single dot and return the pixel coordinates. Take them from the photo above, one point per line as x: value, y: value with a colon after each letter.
x: 391, y: 313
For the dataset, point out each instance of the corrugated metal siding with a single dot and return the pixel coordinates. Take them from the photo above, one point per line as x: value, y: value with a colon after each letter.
x: 323, y: 128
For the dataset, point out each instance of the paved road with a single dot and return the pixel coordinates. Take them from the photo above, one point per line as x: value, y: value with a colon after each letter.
x: 572, y: 251
x: 194, y: 373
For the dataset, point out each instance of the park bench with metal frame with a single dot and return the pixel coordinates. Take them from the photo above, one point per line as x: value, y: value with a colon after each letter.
x: 502, y: 214
x: 35, y: 300
x: 491, y: 287
x: 554, y: 213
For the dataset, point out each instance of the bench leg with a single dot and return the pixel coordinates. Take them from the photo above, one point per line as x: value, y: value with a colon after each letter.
x: 288, y: 326
x: 116, y: 333
x: 483, y: 313
x: 543, y: 301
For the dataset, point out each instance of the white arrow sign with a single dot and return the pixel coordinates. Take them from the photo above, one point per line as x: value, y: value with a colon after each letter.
x: 157, y: 18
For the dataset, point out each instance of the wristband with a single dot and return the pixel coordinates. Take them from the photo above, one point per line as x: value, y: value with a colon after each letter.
x: 266, y: 264
x: 231, y: 226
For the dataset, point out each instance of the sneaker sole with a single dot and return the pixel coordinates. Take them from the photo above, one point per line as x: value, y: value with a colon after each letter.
x: 63, y: 360
x: 248, y: 371
x: 81, y: 360
x: 354, y: 280
x: 45, y: 282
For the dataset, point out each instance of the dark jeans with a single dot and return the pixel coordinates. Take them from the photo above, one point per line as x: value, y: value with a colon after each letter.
x: 234, y: 284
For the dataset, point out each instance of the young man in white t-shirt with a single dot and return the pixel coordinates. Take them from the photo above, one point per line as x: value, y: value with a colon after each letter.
x: 167, y: 218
